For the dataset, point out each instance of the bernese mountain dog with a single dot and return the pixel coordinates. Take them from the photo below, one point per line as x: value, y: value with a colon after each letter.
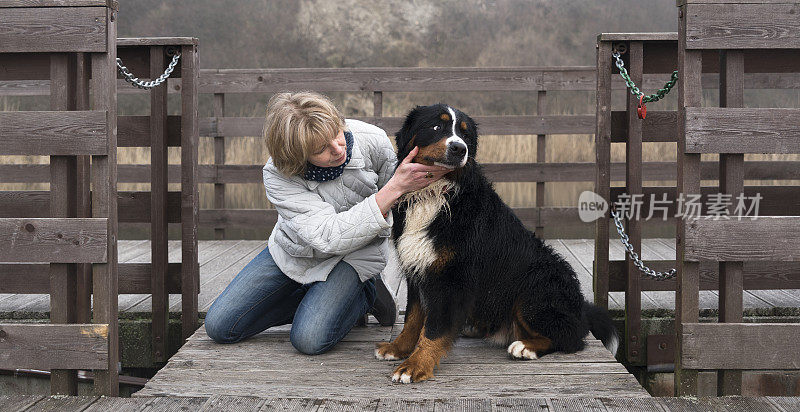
x: 471, y: 265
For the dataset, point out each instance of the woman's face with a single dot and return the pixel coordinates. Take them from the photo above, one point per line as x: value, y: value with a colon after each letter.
x: 333, y: 154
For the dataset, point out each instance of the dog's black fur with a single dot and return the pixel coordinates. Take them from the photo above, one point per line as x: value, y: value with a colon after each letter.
x: 495, y: 268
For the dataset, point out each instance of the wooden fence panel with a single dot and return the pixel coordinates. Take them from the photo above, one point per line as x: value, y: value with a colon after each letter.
x: 746, y: 346
x: 53, y: 133
x: 742, y: 130
x: 56, y: 29
x: 745, y: 25
x: 767, y: 238
x: 61, y: 240
x: 46, y: 346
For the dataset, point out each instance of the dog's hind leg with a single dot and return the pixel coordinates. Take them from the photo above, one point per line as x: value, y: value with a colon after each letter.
x: 528, y: 344
x: 404, y: 344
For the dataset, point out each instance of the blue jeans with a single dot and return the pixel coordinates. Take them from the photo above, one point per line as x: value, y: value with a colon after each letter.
x: 261, y: 296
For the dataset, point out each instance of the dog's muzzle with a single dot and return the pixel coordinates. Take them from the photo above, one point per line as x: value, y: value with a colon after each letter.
x: 457, y: 152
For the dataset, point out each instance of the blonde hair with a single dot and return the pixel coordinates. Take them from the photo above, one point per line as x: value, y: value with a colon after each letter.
x: 296, y: 125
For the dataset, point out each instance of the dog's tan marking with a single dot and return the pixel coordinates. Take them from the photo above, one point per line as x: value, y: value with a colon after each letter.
x: 444, y: 256
x: 445, y: 117
x: 432, y: 153
x: 464, y: 126
x: 419, y: 366
x: 404, y: 343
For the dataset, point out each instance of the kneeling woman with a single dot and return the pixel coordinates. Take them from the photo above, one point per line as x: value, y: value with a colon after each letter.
x: 331, y: 181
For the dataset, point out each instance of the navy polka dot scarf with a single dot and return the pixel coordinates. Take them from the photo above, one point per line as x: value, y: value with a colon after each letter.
x: 323, y: 174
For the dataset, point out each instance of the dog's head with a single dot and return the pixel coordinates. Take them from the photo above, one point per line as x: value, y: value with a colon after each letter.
x: 445, y: 136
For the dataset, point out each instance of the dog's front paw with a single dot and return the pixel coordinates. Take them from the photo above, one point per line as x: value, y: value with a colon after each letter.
x: 413, y: 371
x: 390, y: 351
x: 518, y: 350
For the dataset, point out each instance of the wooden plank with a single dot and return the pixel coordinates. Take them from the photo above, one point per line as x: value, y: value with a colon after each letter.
x: 742, y: 130
x: 219, y: 273
x: 63, y: 403
x: 767, y: 238
x: 190, y: 203
x: 498, y: 172
x: 291, y: 404
x: 731, y: 173
x: 756, y: 275
x: 57, y: 3
x: 159, y: 208
x: 775, y: 201
x: 761, y: 346
x: 53, y: 346
x: 55, y: 29
x: 18, y: 403
x: 174, y: 404
x: 134, y: 131
x: 396, y: 79
x: 63, y: 204
x: 399, y: 404
x: 137, y: 207
x: 232, y: 403
x: 489, y: 125
x: 779, y: 80
x: 219, y: 160
x: 787, y: 403
x: 602, y: 183
x: 211, y: 253
x: 742, y: 26
x: 136, y: 278
x: 61, y: 240
x: 105, y: 404
x: 633, y: 183
x: 330, y: 386
x: 658, y: 126
x: 155, y: 41
x: 687, y: 294
x: 83, y: 195
x: 53, y: 133
x: 127, y: 301
x: 631, y: 405
x: 105, y: 281
x: 541, y: 155
x: 643, y: 36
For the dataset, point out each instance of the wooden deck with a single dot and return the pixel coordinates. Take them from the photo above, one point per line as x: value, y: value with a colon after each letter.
x: 242, y: 403
x: 220, y: 261
x: 267, y: 364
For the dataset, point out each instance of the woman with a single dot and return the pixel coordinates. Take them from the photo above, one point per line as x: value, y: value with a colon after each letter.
x: 333, y: 182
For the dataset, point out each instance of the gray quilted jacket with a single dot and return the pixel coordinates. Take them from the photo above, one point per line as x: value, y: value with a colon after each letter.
x: 321, y: 223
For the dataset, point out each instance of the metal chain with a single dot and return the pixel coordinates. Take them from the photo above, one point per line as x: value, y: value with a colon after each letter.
x: 635, y: 90
x: 130, y: 78
x: 623, y: 237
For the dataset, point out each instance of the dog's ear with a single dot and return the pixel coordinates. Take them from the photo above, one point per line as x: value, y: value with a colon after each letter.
x: 404, y: 135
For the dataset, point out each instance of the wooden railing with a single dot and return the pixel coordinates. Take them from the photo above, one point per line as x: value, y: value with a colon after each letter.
x: 657, y: 54
x: 147, y: 57
x: 74, y: 234
x: 746, y: 43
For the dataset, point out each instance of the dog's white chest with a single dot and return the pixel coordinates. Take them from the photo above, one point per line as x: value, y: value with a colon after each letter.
x: 415, y: 247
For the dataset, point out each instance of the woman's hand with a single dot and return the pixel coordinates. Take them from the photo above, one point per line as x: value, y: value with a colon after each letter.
x: 408, y: 177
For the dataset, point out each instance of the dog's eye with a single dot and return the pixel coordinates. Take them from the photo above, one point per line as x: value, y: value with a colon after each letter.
x: 437, y: 127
